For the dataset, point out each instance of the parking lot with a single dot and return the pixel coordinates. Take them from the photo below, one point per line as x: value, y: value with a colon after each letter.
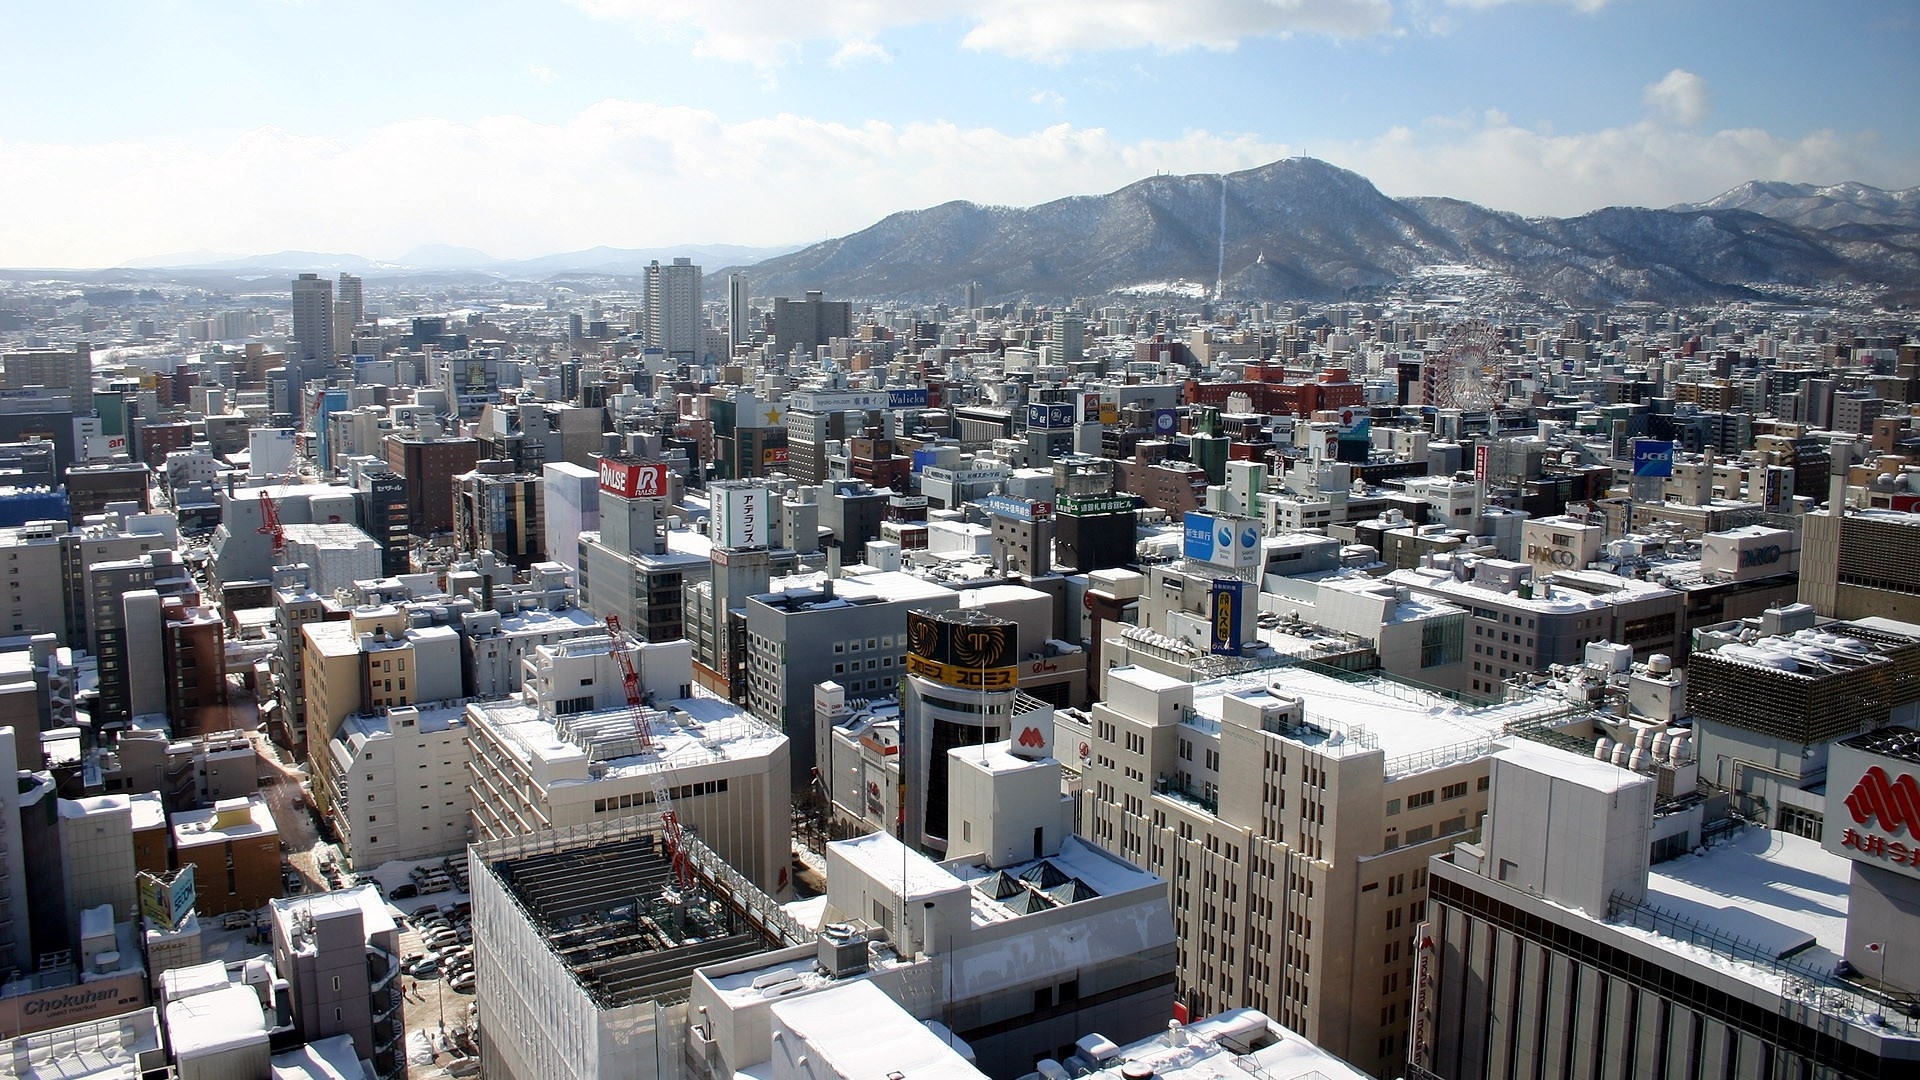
x: 439, y: 1017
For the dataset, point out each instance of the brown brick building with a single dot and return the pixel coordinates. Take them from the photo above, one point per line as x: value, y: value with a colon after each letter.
x: 429, y: 464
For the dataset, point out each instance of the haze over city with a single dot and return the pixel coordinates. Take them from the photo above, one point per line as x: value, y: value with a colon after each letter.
x: 136, y: 131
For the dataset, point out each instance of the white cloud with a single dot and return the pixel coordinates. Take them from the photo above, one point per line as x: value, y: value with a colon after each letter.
x: 1050, y: 99
x: 1532, y: 172
x: 1680, y: 97
x: 771, y: 34
x: 628, y: 173
x: 540, y: 73
x: 857, y: 50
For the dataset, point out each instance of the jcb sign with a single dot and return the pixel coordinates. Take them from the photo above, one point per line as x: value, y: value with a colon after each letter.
x: 631, y: 480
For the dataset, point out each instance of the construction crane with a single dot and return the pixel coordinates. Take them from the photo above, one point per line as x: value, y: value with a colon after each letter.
x: 270, y: 513
x: 270, y: 524
x: 643, y: 735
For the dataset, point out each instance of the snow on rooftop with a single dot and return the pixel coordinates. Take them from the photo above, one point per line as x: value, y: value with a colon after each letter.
x: 1204, y: 1050
x: 222, y: 1019
x: 375, y: 916
x: 1401, y: 720
x: 885, y: 859
x: 887, y: 1040
x: 1782, y: 893
x: 1579, y: 769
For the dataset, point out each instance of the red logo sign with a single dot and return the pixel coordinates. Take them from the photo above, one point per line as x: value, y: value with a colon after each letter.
x: 1031, y: 738
x: 1895, y: 802
x: 632, y: 481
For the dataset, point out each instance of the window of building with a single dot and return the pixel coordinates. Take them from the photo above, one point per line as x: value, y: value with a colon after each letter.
x: 1416, y: 801
x: 1454, y: 791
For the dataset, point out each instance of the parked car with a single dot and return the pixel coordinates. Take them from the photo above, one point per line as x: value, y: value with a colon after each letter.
x: 461, y: 983
x: 406, y: 890
x: 426, y: 967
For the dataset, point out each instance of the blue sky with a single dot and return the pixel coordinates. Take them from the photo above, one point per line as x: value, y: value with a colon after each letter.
x: 138, y: 128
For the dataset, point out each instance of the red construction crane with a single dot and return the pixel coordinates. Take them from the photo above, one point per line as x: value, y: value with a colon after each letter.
x: 270, y: 523
x: 643, y: 734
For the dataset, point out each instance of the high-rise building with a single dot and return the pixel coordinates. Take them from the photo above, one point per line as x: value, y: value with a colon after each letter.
x: 810, y: 323
x: 353, y: 296
x: 738, y: 333
x: 1292, y: 812
x: 313, y: 317
x: 674, y: 320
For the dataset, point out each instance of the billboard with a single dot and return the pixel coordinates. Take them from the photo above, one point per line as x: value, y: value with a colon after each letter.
x: 1197, y: 540
x: 106, y: 446
x: 1222, y: 539
x: 1166, y: 422
x: 1227, y: 593
x: 909, y: 397
x: 773, y: 455
x: 1031, y: 735
x: 1109, y: 413
x: 1097, y: 504
x: 1482, y: 456
x: 1049, y: 416
x: 631, y: 480
x: 1090, y: 408
x: 166, y: 902
x: 970, y: 654
x: 1018, y: 509
x: 1652, y: 457
x: 739, y: 515
x: 1873, y: 809
x: 819, y: 401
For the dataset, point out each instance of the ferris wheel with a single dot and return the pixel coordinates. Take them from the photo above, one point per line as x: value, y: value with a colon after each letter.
x: 1465, y: 375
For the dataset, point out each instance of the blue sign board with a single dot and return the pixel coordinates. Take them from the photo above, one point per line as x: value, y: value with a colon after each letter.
x: 1226, y: 616
x: 912, y: 397
x: 1165, y: 423
x: 1007, y: 506
x: 1652, y: 457
x: 1199, y: 536
x: 1055, y: 415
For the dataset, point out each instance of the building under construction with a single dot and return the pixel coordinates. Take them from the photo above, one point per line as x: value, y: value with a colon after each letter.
x: 585, y: 943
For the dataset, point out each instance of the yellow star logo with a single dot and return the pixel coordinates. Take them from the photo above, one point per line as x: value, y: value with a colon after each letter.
x: 773, y: 415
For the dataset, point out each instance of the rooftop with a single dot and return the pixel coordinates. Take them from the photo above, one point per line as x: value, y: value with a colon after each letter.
x: 887, y: 1041
x: 221, y: 1019
x: 253, y: 818
x: 684, y: 731
x: 1077, y: 873
x: 1816, y: 652
x: 610, y: 916
x: 376, y: 917
x: 1235, y: 1044
x: 1586, y: 771
x: 1408, y: 724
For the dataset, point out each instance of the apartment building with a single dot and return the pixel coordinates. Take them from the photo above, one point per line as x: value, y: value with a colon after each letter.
x: 1292, y: 813
x: 401, y: 777
x: 340, y: 954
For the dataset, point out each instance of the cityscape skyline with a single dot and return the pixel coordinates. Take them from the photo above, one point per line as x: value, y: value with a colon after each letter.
x: 623, y: 123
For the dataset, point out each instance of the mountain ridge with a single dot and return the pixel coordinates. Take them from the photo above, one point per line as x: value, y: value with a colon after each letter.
x: 1300, y: 228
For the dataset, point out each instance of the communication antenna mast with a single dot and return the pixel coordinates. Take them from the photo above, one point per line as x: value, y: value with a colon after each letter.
x: 1220, y: 270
